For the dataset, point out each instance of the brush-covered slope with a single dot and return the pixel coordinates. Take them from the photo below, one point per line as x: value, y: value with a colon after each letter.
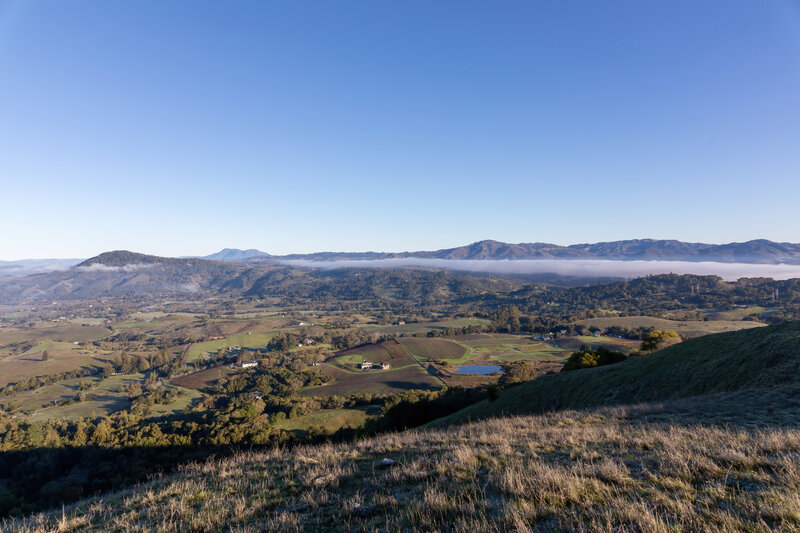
x: 129, y: 274
x: 755, y: 359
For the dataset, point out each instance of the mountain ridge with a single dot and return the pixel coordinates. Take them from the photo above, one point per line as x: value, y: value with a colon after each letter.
x: 759, y: 251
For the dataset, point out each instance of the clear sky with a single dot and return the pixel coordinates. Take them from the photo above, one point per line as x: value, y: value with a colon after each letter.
x: 182, y: 127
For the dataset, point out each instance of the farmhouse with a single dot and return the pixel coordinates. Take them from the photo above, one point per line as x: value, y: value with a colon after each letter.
x: 249, y: 364
x: 365, y: 365
x: 385, y: 366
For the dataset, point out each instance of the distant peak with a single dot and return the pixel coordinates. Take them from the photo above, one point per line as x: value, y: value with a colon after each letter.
x: 236, y: 254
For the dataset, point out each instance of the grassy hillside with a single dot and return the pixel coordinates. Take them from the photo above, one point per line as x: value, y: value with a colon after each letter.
x: 760, y: 358
x: 642, y: 468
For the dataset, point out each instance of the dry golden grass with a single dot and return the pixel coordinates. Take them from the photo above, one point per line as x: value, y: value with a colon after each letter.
x: 624, y: 469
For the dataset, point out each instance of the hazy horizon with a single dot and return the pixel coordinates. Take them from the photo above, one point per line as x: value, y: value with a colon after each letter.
x: 365, y: 251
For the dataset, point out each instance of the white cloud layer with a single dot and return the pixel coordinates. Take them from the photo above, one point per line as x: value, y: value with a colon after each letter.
x: 572, y: 267
x: 97, y: 267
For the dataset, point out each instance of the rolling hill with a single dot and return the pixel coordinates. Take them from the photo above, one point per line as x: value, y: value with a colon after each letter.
x: 756, y: 360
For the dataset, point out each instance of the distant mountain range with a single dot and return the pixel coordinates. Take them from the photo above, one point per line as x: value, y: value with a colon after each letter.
x: 250, y: 272
x: 757, y: 251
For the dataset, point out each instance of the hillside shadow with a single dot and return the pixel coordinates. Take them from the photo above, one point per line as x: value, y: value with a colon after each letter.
x: 749, y: 408
x: 45, y: 478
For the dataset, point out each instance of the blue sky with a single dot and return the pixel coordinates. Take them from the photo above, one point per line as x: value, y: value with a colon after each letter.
x: 179, y: 128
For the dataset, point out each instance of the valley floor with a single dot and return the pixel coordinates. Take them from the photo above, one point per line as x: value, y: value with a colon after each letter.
x: 651, y: 467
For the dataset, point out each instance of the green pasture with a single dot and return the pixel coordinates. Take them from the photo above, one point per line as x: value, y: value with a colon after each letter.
x: 688, y: 328
x: 57, y: 333
x: 30, y: 365
x: 50, y: 346
x: 91, y: 321
x: 246, y: 340
x: 108, y: 396
x: 500, y: 348
x: 353, y: 358
x: 187, y: 396
x: 424, y: 327
x: 330, y: 420
x: 589, y: 339
x: 738, y: 313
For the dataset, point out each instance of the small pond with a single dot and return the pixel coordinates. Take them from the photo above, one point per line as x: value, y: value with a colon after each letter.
x: 478, y: 369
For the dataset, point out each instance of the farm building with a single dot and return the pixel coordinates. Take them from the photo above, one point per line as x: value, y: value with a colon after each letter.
x: 249, y: 364
x: 365, y: 365
x: 385, y: 366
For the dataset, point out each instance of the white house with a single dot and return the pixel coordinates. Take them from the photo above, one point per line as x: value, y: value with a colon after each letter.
x: 366, y: 365
x: 249, y: 364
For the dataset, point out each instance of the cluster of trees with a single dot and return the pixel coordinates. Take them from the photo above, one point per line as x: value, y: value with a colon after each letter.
x: 334, y: 289
x: 658, y: 295
x: 657, y: 340
x: 588, y: 358
x: 159, y: 363
x: 415, y: 408
x: 49, y: 379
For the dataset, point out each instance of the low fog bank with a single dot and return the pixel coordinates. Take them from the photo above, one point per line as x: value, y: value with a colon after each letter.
x: 584, y: 268
x: 26, y: 267
x: 99, y: 267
